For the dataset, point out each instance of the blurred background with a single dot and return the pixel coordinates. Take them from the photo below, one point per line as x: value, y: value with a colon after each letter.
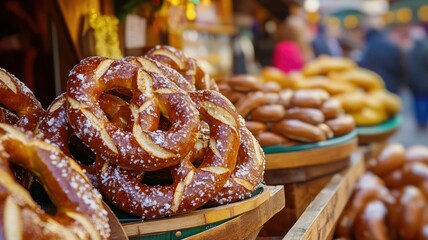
x: 40, y: 41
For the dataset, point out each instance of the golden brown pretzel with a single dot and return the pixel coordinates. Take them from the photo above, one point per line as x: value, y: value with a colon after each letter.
x: 256, y: 127
x: 326, y: 129
x: 270, y: 87
x: 271, y: 139
x: 415, y: 173
x: 268, y: 113
x: 187, y: 67
x: 285, y: 98
x: 192, y: 187
x: 252, y: 100
x: 80, y: 213
x: 145, y: 148
x: 248, y: 172
x: 298, y: 130
x: 371, y: 222
x: 369, y: 188
x: 20, y: 101
x: 244, y: 83
x: 309, y: 98
x: 410, y: 206
x: 331, y: 108
x: 390, y: 159
x: 309, y: 115
x: 341, y: 125
x: 233, y: 96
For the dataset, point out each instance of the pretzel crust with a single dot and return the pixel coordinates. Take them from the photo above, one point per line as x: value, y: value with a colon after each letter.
x: 145, y: 148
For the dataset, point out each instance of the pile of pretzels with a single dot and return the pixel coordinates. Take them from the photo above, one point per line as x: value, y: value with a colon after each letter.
x: 151, y: 133
x: 361, y: 92
x: 391, y: 200
x: 278, y: 116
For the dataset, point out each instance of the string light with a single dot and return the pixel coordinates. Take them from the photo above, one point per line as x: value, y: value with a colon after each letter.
x: 105, y: 34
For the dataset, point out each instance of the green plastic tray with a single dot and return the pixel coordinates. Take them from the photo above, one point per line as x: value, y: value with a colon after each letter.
x: 327, y: 143
x: 384, y: 127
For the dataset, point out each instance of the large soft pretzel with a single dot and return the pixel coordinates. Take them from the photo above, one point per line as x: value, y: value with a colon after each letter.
x: 80, y: 213
x: 248, y: 172
x: 187, y: 67
x: 146, y: 147
x: 192, y: 187
x: 18, y: 100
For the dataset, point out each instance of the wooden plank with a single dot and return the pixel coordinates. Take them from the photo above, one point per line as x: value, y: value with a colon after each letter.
x: 196, y: 218
x: 304, y: 174
x: 320, y: 217
x: 310, y: 157
x: 246, y: 224
x: 117, y: 232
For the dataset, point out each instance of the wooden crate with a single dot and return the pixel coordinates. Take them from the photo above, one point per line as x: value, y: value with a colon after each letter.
x: 245, y: 217
x: 302, y: 183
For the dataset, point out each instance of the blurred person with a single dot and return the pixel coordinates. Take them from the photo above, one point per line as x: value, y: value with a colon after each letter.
x: 292, y: 49
x: 383, y: 57
x: 417, y: 67
x: 326, y: 41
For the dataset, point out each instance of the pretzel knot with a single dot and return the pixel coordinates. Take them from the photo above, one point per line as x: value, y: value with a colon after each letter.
x: 192, y: 186
x: 145, y: 148
x: 188, y: 67
x: 79, y: 215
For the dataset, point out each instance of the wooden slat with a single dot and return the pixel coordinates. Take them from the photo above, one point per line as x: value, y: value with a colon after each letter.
x: 320, y: 217
x: 117, y: 232
x: 365, y: 139
x: 196, y: 218
x: 247, y: 224
x: 304, y: 174
x: 310, y: 157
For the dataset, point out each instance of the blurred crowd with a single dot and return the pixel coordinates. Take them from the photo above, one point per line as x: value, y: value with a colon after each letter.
x: 398, y: 53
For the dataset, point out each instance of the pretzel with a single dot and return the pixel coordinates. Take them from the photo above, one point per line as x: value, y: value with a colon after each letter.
x: 254, y: 99
x: 309, y: 98
x: 146, y: 147
x: 391, y: 158
x: 369, y: 188
x: 268, y: 113
x: 285, y: 98
x: 410, y: 206
x: 331, y: 108
x: 271, y: 139
x: 192, y: 187
x: 256, y: 127
x: 371, y: 223
x: 341, y: 125
x: 187, y: 67
x: 244, y: 83
x: 248, y: 172
x: 233, y: 96
x: 298, y: 130
x: 271, y: 87
x: 309, y: 115
x: 326, y: 129
x: 80, y: 213
x: 20, y: 101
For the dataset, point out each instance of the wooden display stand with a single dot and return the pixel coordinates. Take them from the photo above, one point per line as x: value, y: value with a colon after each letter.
x: 303, y: 174
x: 236, y: 221
x: 319, y: 219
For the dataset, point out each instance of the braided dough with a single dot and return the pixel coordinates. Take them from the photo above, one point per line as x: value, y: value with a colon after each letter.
x: 144, y: 148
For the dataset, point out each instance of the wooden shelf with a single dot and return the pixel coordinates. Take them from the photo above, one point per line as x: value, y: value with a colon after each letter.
x: 320, y: 217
